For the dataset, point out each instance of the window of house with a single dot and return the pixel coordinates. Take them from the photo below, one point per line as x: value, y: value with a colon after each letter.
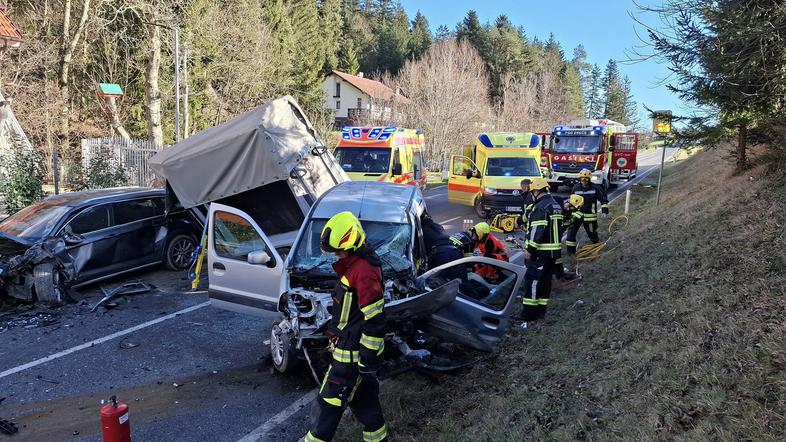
x: 338, y: 104
x: 360, y: 103
x: 338, y: 89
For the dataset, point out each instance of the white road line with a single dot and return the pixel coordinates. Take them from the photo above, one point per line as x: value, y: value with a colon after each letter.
x: 261, y: 431
x: 449, y: 220
x: 51, y: 357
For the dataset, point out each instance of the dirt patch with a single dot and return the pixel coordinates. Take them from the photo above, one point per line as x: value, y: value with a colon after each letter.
x: 679, y: 332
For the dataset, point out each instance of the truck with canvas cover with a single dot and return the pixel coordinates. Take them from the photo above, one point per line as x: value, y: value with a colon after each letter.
x: 268, y: 164
x: 488, y: 175
x: 388, y: 154
x: 602, y: 146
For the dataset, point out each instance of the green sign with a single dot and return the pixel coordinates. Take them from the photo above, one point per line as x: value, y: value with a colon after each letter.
x: 109, y: 89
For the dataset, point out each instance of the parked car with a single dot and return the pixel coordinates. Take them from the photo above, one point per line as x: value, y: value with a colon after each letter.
x: 73, y: 239
x: 421, y: 306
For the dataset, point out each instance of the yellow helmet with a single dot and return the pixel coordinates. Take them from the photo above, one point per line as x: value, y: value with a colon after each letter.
x: 585, y: 173
x: 482, y: 230
x: 538, y: 183
x: 576, y: 201
x: 342, y: 233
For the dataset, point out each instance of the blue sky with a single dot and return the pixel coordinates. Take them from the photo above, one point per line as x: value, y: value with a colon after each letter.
x: 604, y: 27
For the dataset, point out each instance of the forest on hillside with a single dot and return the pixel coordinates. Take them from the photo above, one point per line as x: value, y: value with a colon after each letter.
x: 236, y: 54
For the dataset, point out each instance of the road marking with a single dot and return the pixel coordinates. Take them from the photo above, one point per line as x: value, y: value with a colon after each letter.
x: 261, y: 431
x: 51, y: 357
x: 449, y: 220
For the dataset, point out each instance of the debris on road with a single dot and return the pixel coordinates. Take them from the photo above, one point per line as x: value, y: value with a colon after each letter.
x: 8, y: 427
x: 129, y: 288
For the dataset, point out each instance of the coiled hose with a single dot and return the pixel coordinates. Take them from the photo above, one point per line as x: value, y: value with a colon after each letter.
x: 592, y: 251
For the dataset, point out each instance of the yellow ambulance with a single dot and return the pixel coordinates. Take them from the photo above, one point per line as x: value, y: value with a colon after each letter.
x: 488, y: 176
x: 389, y: 154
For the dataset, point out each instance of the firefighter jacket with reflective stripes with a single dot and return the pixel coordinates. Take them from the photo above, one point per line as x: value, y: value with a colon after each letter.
x: 526, y: 208
x: 543, y: 234
x: 358, y: 318
x: 592, y: 195
x: 463, y: 242
x: 569, y: 214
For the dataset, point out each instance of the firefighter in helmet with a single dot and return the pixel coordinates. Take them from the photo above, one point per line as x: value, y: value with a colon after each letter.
x: 479, y: 241
x: 592, y: 194
x: 571, y: 214
x: 356, y: 330
x: 544, y: 248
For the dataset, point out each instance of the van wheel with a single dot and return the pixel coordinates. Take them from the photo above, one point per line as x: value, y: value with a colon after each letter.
x: 479, y: 209
x: 178, y: 252
x: 282, y: 350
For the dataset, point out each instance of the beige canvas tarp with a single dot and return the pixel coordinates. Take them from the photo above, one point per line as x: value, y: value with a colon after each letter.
x: 270, y: 143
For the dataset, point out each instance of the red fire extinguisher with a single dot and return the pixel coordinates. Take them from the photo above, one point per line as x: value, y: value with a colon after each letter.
x: 115, y: 425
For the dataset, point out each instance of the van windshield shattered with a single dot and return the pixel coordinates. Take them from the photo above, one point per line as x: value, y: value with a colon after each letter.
x: 389, y: 240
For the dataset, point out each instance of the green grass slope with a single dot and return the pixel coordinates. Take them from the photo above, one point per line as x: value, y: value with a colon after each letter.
x: 676, y: 333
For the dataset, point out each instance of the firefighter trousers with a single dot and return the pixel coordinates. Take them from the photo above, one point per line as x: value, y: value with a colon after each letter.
x: 344, y: 387
x: 591, y: 227
x: 537, y: 287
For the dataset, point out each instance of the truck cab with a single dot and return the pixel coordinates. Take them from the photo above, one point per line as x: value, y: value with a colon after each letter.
x: 387, y: 154
x: 602, y: 146
x: 488, y: 175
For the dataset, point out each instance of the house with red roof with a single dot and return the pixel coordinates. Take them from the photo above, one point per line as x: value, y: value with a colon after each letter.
x: 355, y: 99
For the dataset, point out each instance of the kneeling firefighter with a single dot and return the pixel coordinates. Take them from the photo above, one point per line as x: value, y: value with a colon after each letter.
x: 357, y: 330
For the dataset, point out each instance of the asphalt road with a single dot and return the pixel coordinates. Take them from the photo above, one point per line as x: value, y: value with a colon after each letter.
x: 203, y: 374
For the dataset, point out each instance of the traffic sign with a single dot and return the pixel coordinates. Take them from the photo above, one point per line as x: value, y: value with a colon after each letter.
x: 661, y: 122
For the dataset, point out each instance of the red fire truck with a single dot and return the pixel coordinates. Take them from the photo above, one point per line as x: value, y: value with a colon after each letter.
x: 602, y: 146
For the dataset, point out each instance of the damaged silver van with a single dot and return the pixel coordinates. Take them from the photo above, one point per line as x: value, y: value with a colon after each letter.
x: 271, y: 186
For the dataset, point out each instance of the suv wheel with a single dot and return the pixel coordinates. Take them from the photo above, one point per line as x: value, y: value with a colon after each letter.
x: 179, y: 249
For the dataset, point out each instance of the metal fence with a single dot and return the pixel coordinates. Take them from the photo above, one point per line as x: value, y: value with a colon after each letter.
x: 129, y: 154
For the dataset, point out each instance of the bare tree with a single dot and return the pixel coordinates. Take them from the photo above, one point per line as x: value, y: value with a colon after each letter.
x: 69, y: 41
x: 155, y: 132
x: 533, y: 104
x: 447, y: 97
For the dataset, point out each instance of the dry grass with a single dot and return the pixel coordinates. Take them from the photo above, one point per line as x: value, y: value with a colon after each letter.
x: 680, y: 334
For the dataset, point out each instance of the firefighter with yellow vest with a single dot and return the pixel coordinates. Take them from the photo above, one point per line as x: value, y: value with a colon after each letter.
x: 357, y: 330
x: 592, y: 194
x: 543, y: 249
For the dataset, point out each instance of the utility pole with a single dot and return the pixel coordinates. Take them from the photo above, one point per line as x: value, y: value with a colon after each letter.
x: 177, y: 85
x: 660, y: 173
x: 187, y: 116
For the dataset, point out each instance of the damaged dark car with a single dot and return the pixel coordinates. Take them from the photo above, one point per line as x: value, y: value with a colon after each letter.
x: 73, y: 239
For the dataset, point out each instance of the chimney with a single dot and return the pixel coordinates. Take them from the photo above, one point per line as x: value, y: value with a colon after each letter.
x: 360, y: 74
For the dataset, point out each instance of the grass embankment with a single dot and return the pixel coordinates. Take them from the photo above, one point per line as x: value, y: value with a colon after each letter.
x: 680, y: 332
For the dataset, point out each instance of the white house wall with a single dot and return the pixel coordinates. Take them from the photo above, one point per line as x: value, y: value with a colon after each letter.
x: 349, y: 96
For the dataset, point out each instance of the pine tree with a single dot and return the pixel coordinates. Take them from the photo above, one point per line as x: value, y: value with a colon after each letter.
x: 614, y: 105
x: 347, y: 57
x: 420, y: 37
x: 331, y: 26
x: 307, y: 55
x: 631, y: 107
x: 506, y: 53
x: 593, y: 93
x: 471, y: 30
x: 443, y: 33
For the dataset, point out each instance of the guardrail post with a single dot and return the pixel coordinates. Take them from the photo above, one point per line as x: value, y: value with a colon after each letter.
x: 627, y: 201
